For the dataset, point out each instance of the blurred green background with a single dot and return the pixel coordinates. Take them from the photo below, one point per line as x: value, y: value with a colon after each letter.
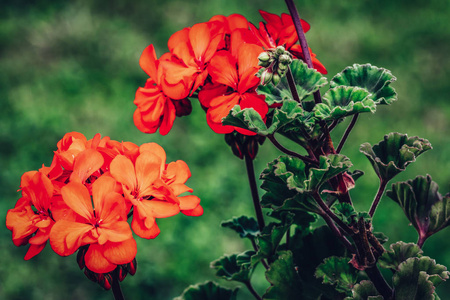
x: 73, y: 66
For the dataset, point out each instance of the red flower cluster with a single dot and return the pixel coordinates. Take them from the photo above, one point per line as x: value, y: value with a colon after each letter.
x: 219, y: 60
x: 83, y: 200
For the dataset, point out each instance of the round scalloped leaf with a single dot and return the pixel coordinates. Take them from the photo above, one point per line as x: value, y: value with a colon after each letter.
x: 365, y: 290
x: 284, y: 280
x: 426, y: 209
x: 245, y: 226
x: 343, y: 101
x: 337, y: 271
x: 398, y: 253
x: 278, y: 180
x: 375, y: 80
x: 208, y: 291
x: 392, y: 155
x: 416, y: 278
x: 250, y: 119
x: 329, y: 166
x: 307, y: 81
x: 229, y: 268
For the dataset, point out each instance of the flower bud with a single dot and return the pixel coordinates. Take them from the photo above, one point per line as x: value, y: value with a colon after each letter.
x: 266, y: 76
x: 183, y: 107
x: 276, y: 79
x: 282, y: 67
x: 285, y: 59
x: 264, y: 57
x: 279, y: 50
x: 281, y: 72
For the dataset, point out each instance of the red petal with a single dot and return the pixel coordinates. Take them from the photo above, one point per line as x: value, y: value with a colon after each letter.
x: 120, y: 253
x: 77, y: 197
x: 96, y: 261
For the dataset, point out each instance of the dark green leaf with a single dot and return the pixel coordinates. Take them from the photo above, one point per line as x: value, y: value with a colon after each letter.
x: 270, y: 238
x: 426, y: 209
x: 284, y: 280
x: 300, y: 218
x: 309, y: 250
x: 375, y: 80
x: 245, y: 226
x: 232, y: 268
x: 398, y: 253
x: 381, y: 237
x: 391, y: 156
x: 343, y: 101
x: 337, y: 271
x: 416, y: 278
x: 247, y: 118
x: 307, y: 81
x: 365, y: 290
x: 208, y: 291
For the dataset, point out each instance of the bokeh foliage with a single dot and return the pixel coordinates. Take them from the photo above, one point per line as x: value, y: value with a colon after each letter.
x: 73, y: 66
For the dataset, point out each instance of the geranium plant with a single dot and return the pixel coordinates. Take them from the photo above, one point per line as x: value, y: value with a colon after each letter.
x: 255, y: 83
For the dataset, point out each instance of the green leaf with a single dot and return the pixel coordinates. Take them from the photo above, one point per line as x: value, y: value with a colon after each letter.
x: 250, y: 119
x: 270, y: 238
x: 309, y: 250
x: 300, y: 218
x: 246, y: 227
x: 208, y: 291
x: 375, y: 80
x: 392, y: 155
x: 234, y: 267
x: 284, y: 280
x: 381, y: 237
x: 338, y: 271
x: 307, y: 81
x: 345, y: 212
x: 278, y: 178
x: 398, y: 253
x: 289, y: 183
x: 426, y: 209
x: 416, y: 278
x: 247, y: 118
x: 365, y: 290
x: 343, y: 101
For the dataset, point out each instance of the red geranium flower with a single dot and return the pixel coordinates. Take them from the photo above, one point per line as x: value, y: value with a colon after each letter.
x: 103, y: 226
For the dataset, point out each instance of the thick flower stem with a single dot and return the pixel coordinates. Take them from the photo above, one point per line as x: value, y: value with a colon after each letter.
x: 380, y: 192
x: 421, y: 240
x: 302, y: 39
x: 254, y: 189
x: 329, y: 213
x: 117, y: 291
x: 252, y: 290
x: 380, y: 283
x: 346, y: 133
x: 291, y: 82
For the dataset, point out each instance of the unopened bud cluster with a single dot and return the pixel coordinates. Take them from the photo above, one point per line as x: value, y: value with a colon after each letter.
x: 276, y: 62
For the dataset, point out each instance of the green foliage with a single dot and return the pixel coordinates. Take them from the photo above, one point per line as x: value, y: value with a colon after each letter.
x: 208, y: 291
x: 270, y: 238
x: 416, y: 278
x: 250, y: 119
x: 307, y: 81
x: 338, y: 271
x: 347, y: 213
x: 398, y: 253
x: 284, y: 280
x: 375, y: 80
x: 365, y: 290
x: 426, y: 209
x: 391, y: 156
x: 246, y: 227
x: 343, y: 101
x: 234, y: 267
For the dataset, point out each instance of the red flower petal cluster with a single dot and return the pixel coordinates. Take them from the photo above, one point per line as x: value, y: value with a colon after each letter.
x: 217, y: 59
x: 83, y: 200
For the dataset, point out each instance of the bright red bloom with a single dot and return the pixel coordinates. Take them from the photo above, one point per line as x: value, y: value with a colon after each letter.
x: 280, y: 31
x: 234, y: 84
x: 103, y: 226
x: 192, y: 49
x: 31, y: 220
x: 155, y: 108
x: 153, y: 188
